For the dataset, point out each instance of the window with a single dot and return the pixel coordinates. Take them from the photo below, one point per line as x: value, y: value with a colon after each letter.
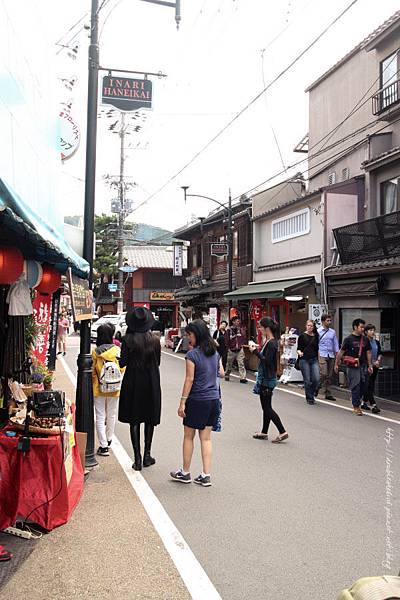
x: 345, y: 174
x: 388, y: 74
x: 332, y: 178
x: 389, y: 196
x: 291, y: 226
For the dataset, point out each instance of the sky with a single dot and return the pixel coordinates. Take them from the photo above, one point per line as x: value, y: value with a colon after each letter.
x: 218, y: 61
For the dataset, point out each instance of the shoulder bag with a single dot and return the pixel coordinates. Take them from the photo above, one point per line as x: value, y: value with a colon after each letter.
x: 354, y: 361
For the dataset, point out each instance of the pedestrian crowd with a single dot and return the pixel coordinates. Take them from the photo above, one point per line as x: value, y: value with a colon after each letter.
x: 126, y: 379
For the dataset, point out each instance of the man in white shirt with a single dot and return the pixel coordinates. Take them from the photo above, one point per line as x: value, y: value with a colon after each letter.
x: 328, y: 348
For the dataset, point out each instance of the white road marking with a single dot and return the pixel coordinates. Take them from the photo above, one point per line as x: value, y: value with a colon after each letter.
x: 293, y: 393
x: 195, y: 578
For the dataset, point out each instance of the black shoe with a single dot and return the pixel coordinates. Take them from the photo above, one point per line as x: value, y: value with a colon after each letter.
x: 148, y: 460
x: 59, y: 353
x: 103, y: 451
x: 226, y: 377
x: 241, y: 381
x: 204, y: 481
x: 179, y: 476
x: 375, y: 409
x: 365, y: 406
x: 137, y: 465
x: 64, y: 353
x: 331, y: 398
x: 109, y: 443
x: 310, y: 401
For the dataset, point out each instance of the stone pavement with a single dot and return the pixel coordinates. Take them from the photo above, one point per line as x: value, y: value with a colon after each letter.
x: 109, y: 549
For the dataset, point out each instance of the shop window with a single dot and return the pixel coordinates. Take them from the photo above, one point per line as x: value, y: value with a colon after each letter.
x: 291, y: 226
x: 389, y: 196
x: 347, y: 316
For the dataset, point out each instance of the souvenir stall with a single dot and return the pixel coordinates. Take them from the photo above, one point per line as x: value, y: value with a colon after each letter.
x: 41, y: 474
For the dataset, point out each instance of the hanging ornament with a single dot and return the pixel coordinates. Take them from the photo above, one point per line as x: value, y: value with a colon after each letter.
x: 11, y: 264
x: 51, y: 280
x: 33, y: 272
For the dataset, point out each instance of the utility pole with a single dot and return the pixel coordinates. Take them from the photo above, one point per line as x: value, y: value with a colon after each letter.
x: 121, y: 218
x: 84, y: 389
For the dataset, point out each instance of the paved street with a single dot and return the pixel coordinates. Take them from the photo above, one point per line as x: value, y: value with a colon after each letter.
x: 301, y: 519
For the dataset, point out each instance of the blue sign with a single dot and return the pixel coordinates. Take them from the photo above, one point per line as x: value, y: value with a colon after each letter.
x: 112, y: 287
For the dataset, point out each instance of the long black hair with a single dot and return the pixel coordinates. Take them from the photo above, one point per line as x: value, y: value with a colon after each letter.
x: 270, y: 324
x: 204, y: 340
x: 104, y: 335
x: 143, y: 346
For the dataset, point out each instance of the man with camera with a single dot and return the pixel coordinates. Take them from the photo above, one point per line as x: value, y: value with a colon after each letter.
x: 235, y: 340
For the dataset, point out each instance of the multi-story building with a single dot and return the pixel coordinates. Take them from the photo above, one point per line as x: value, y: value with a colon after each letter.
x: 153, y: 284
x: 355, y: 136
x: 207, y: 279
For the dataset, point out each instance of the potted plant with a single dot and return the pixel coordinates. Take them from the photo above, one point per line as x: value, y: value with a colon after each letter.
x: 48, y: 380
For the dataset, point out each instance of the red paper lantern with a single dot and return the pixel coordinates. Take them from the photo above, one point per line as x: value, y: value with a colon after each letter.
x: 11, y: 264
x: 51, y: 280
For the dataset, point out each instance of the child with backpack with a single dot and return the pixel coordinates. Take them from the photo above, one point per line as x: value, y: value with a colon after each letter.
x: 107, y: 379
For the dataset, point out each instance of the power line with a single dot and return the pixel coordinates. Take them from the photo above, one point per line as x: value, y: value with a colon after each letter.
x: 72, y: 28
x: 245, y: 108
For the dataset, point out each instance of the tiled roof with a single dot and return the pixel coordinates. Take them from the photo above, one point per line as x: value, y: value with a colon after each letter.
x: 388, y: 23
x: 363, y: 266
x: 149, y: 257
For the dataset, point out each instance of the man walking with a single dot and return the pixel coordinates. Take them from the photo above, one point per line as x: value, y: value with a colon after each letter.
x: 357, y: 356
x: 235, y: 339
x: 328, y: 348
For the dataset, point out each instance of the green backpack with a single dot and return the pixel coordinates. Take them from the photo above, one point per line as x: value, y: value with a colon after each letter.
x: 386, y: 587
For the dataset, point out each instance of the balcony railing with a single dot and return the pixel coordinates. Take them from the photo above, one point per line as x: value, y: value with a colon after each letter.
x: 386, y: 97
x: 369, y: 240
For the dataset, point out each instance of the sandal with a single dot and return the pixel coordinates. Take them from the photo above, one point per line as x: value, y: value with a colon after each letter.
x: 280, y: 438
x: 4, y: 554
x: 260, y: 436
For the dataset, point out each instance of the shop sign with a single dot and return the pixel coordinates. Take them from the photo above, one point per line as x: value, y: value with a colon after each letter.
x: 52, y: 348
x: 315, y: 312
x: 219, y: 250
x: 213, y: 318
x: 70, y: 135
x: 127, y: 94
x: 42, y: 315
x: 162, y: 296
x: 256, y: 311
x: 112, y: 287
x: 194, y: 282
x: 81, y: 297
x: 143, y: 304
x: 178, y: 260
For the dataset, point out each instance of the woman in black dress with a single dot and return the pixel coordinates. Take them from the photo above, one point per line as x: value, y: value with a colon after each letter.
x: 140, y: 397
x: 307, y: 350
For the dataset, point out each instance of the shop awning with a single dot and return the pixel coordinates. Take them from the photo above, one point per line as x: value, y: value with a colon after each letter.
x: 270, y: 289
x: 38, y: 240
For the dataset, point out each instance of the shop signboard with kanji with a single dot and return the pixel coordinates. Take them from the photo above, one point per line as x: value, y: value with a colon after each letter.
x: 42, y: 315
x: 219, y: 250
x: 81, y: 297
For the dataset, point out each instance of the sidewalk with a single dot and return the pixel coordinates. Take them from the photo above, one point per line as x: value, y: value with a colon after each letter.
x: 108, y: 550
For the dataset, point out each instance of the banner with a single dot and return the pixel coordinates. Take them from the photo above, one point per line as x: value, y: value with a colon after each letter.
x: 52, y: 347
x: 42, y: 315
x: 177, y: 269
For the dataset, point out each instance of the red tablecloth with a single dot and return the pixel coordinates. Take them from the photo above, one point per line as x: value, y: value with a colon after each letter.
x: 29, y: 480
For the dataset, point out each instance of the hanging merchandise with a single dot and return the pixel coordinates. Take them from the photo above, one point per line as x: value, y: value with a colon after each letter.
x: 11, y: 264
x: 19, y: 298
x: 51, y: 280
x: 33, y: 273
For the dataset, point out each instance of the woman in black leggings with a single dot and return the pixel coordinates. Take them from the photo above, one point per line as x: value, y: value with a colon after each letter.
x: 267, y: 381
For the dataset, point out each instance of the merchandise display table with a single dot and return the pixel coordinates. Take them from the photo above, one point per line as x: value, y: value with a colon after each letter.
x: 46, y: 482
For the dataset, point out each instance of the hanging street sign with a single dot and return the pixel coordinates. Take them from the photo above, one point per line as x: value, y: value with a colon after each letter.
x: 127, y: 94
x: 112, y: 287
x: 177, y: 269
x: 219, y: 250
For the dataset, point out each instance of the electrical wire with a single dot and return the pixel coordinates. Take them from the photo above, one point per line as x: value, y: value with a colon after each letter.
x: 72, y: 28
x: 252, y: 101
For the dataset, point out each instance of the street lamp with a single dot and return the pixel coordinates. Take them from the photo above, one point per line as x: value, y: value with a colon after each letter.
x: 228, y: 209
